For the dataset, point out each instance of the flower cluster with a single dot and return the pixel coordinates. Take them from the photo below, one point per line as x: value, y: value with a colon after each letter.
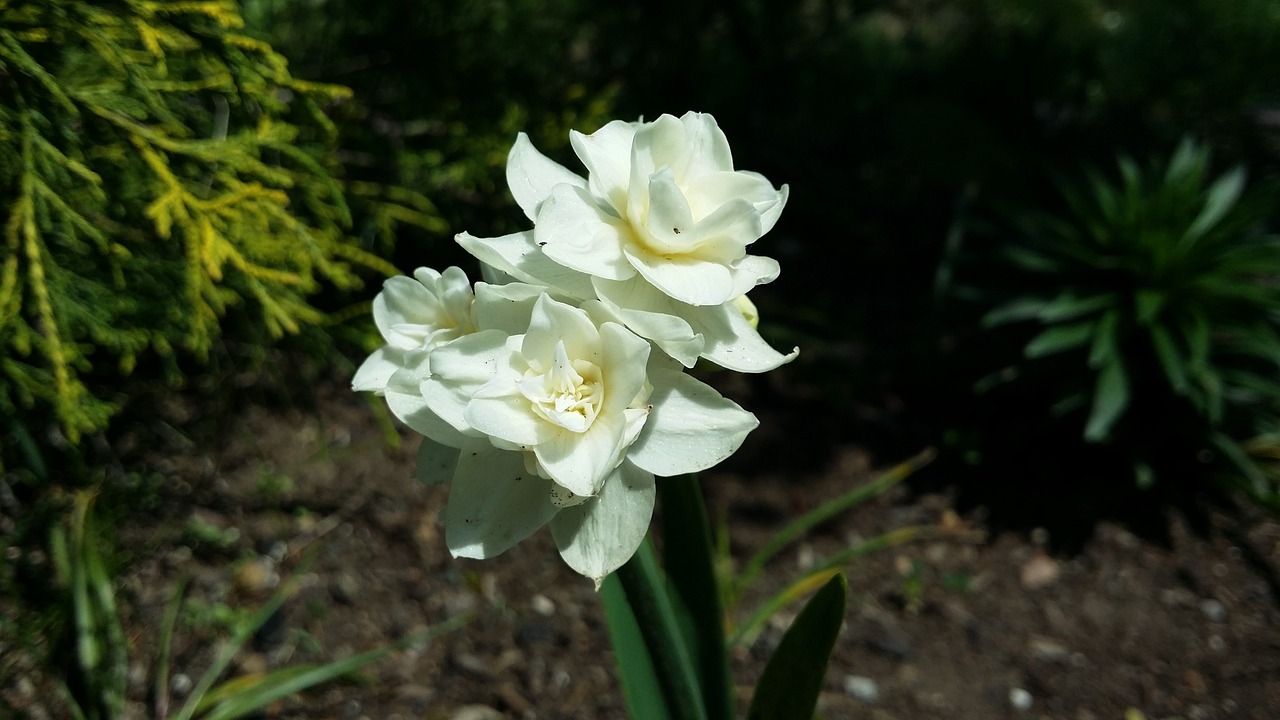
x: 555, y: 392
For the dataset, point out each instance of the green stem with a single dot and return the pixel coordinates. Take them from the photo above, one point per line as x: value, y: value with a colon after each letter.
x: 646, y: 594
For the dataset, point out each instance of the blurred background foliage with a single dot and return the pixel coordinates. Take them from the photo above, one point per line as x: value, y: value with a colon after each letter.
x: 899, y: 124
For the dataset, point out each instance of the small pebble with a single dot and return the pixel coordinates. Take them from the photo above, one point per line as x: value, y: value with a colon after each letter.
x: 861, y: 687
x: 475, y: 712
x: 180, y: 684
x: 1020, y: 699
x: 1214, y: 610
x: 1216, y: 643
x: 1040, y: 571
x: 543, y: 605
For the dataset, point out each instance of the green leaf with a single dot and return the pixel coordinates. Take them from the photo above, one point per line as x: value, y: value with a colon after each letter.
x: 1024, y: 308
x: 695, y: 596
x: 1196, y: 333
x: 672, y: 660
x: 1221, y: 197
x: 114, y: 673
x: 1185, y: 161
x: 1059, y: 338
x: 1032, y: 261
x: 1170, y: 359
x: 640, y: 686
x: 166, y: 648
x: 1257, y: 481
x: 1109, y: 401
x: 789, y: 687
x: 1068, y: 307
x: 1105, y: 340
x: 1147, y: 304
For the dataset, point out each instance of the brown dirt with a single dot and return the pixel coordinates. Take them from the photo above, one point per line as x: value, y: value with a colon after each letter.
x: 947, y: 628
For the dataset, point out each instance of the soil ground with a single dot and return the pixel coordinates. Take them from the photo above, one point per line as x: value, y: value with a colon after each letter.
x: 976, y: 622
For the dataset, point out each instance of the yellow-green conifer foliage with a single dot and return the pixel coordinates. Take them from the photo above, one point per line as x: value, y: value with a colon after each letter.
x: 157, y: 168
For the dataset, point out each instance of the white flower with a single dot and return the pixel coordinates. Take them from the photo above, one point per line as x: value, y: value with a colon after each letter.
x: 720, y: 333
x: 571, y: 393
x: 661, y: 201
x: 415, y: 315
x: 566, y: 423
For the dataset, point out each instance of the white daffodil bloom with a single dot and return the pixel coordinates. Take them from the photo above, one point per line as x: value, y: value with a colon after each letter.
x: 414, y: 315
x: 538, y: 393
x: 501, y: 308
x: 725, y: 334
x: 565, y: 423
x: 571, y: 393
x: 661, y: 201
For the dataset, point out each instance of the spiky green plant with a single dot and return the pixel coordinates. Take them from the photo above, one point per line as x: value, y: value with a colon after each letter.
x: 1152, y: 307
x: 158, y: 170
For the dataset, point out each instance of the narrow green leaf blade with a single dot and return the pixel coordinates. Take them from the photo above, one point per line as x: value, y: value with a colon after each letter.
x: 646, y: 594
x: 1219, y: 200
x: 1069, y: 306
x: 1110, y: 399
x: 1017, y: 310
x: 695, y: 596
x: 827, y: 510
x: 789, y: 687
x: 1105, y: 340
x: 1170, y: 359
x: 1059, y: 339
x: 263, y: 690
x: 640, y: 687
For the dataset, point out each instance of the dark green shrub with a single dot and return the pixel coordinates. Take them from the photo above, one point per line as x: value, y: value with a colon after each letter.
x: 1146, y: 314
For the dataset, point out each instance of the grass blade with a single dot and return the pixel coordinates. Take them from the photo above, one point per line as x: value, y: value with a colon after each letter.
x: 269, y: 687
x: 825, y: 511
x: 749, y: 630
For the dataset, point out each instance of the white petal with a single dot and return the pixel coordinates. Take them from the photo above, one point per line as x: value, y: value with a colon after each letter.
x: 598, y: 536
x: 606, y: 153
x: 404, y: 300
x: 552, y: 323
x: 574, y: 232
x: 691, y: 427
x: 653, y: 315
x: 708, y: 192
x: 732, y: 343
x: 412, y: 410
x: 706, y: 146
x: 669, y: 223
x: 723, y: 235
x: 688, y: 280
x: 461, y: 368
x: 520, y: 257
x: 531, y: 175
x: 494, y: 503
x: 626, y: 356
x: 658, y: 144
x: 751, y: 271
x: 508, y: 418
x: 377, y: 369
x: 506, y: 307
x: 581, y: 461
x: 769, y: 211
x: 436, y: 462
